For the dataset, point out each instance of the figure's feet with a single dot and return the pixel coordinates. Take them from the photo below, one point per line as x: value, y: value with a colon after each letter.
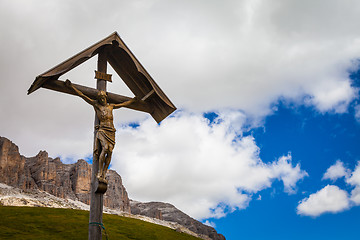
x: 101, y: 178
x: 104, y: 180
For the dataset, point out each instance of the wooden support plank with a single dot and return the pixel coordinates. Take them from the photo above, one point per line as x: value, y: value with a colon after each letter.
x: 148, y: 95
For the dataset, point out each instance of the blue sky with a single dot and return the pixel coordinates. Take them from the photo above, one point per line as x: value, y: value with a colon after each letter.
x: 317, y: 141
x: 264, y: 144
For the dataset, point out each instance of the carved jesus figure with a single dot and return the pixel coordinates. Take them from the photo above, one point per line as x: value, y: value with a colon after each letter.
x: 105, y: 131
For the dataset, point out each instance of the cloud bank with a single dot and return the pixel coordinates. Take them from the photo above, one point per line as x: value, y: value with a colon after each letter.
x: 202, y: 167
x: 206, y: 56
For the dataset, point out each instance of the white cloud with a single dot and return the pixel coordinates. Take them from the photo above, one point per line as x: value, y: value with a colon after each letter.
x: 354, y: 179
x: 287, y: 173
x: 330, y: 199
x: 357, y: 112
x: 203, y: 168
x: 336, y: 171
x: 333, y: 95
x: 209, y: 223
x: 355, y: 196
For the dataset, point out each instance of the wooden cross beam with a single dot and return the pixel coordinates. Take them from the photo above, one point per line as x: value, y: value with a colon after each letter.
x: 149, y: 98
x: 141, y: 105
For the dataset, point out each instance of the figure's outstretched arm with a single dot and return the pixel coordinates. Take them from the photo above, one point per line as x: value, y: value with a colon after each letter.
x: 125, y: 104
x: 79, y: 93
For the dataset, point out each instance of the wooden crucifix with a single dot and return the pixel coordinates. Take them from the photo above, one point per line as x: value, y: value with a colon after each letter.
x: 148, y: 98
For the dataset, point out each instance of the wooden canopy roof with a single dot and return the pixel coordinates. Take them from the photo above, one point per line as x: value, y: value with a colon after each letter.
x: 125, y: 65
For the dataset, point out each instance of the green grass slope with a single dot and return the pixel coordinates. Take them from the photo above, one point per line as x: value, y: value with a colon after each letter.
x: 52, y: 223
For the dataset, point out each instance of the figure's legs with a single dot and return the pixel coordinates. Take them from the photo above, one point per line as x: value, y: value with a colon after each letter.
x: 101, y: 163
x: 97, y: 149
x: 107, y: 160
x: 105, y: 148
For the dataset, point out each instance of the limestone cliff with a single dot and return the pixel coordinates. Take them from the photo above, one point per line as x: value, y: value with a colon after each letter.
x: 61, y: 180
x: 12, y: 165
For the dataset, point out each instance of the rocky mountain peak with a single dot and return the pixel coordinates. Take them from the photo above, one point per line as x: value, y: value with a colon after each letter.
x: 170, y: 213
x: 71, y: 181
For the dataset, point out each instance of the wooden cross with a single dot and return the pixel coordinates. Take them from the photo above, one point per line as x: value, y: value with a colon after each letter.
x: 150, y: 99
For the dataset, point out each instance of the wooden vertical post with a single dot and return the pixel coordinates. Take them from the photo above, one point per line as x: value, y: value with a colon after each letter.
x: 96, y: 199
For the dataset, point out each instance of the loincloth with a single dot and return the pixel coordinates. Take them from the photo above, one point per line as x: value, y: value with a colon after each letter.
x: 106, y: 134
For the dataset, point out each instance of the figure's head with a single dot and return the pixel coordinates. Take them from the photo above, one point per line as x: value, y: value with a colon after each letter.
x: 101, y: 97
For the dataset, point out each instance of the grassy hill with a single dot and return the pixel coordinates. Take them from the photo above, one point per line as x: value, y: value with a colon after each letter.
x: 52, y: 223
